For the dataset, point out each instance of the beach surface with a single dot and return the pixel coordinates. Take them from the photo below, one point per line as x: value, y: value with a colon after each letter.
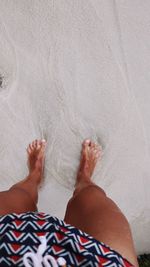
x: 76, y: 69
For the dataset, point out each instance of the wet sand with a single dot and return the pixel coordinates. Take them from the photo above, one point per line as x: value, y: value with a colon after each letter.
x: 72, y: 70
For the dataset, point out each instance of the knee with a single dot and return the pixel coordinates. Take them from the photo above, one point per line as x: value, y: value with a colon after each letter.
x: 84, y: 203
x: 90, y: 197
x: 21, y: 200
x: 90, y: 190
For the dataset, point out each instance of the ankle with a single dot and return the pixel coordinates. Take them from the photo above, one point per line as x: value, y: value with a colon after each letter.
x: 34, y: 173
x: 83, y: 183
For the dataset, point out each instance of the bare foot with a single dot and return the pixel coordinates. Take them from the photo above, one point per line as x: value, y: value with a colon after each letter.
x: 36, y: 156
x: 90, y: 154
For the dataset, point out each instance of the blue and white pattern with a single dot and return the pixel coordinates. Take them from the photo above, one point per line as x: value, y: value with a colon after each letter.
x: 19, y: 234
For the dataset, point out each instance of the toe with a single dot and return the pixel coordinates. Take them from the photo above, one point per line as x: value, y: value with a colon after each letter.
x: 95, y: 150
x: 97, y: 147
x: 85, y: 147
x: 93, y: 145
x: 43, y: 143
x: 36, y: 143
x: 97, y: 155
x: 86, y: 142
x: 99, y: 152
x: 42, y: 149
x: 29, y: 150
x: 31, y: 146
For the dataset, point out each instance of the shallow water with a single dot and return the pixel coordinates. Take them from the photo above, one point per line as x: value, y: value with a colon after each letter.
x: 71, y: 70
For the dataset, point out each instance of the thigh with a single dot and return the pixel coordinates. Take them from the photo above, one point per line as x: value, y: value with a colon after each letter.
x: 15, y: 201
x: 94, y: 213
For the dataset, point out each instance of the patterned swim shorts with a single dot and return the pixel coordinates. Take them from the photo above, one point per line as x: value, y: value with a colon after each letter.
x: 20, y: 233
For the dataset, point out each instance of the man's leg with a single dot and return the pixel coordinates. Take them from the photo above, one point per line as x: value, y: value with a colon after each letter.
x: 23, y: 196
x: 94, y: 213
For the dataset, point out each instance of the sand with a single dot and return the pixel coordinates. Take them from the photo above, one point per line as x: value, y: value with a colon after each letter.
x: 76, y: 69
